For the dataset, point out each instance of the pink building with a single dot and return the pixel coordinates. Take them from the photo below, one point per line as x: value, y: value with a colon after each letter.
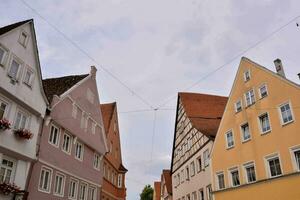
x: 72, y: 142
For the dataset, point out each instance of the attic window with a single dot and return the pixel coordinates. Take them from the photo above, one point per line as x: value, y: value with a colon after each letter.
x: 246, y: 75
x: 23, y: 39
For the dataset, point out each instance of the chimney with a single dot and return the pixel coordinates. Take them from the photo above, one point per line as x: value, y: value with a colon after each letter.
x: 93, y: 71
x: 279, y: 68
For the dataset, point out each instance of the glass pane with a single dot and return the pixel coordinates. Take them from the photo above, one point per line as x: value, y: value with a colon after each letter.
x: 18, y: 119
x: 46, y: 180
x: 297, y: 156
x: 7, y: 176
x: 14, y: 69
x: 23, y: 122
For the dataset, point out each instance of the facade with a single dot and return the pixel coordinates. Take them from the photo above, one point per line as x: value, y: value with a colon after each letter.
x: 72, y: 142
x: 22, y: 103
x: 197, y: 121
x: 113, y: 169
x: 157, y: 190
x: 166, y: 185
x: 256, y: 154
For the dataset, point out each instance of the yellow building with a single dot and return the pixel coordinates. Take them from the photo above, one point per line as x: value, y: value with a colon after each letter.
x: 256, y: 154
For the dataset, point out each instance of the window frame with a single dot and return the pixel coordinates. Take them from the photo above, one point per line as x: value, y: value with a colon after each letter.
x: 267, y: 164
x: 70, y: 143
x: 95, y: 192
x: 217, y: 180
x: 209, y: 192
x: 82, y: 151
x: 193, y: 169
x: 293, y: 149
x: 7, y: 106
x: 19, y: 72
x: 59, y: 174
x: 31, y: 79
x: 235, y: 106
x: 75, y: 189
x: 96, y: 155
x: 242, y: 132
x: 252, y: 101
x: 226, y: 139
x: 45, y: 168
x: 280, y: 113
x: 23, y: 113
x: 13, y: 169
x: 230, y: 170
x: 201, y: 194
x: 199, y: 164
x: 260, y: 124
x: 86, y: 190
x: 206, y: 160
x: 26, y: 38
x: 4, y: 59
x: 245, y: 77
x: 245, y: 166
x: 58, y: 136
x: 259, y: 91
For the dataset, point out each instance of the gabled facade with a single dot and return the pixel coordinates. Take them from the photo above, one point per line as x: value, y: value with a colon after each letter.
x: 114, y: 187
x: 22, y: 103
x: 72, y: 142
x: 166, y: 185
x: 156, y: 191
x: 256, y: 154
x: 197, y: 120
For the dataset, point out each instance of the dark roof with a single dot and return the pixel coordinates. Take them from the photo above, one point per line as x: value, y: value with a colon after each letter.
x: 204, y: 111
x: 168, y: 180
x: 10, y: 27
x: 57, y: 86
x: 107, y: 111
x: 122, y: 168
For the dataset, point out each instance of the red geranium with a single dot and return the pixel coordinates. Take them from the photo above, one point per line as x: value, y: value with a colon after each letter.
x: 8, y: 188
x: 4, y: 124
x: 23, y: 133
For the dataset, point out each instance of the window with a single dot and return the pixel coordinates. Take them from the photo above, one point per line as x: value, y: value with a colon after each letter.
x: 73, y: 188
x: 21, y: 120
x: 286, y: 113
x: 178, y: 179
x: 264, y: 123
x: 45, y: 179
x: 220, y: 180
x: 92, y: 193
x: 296, y: 154
x: 188, y: 197
x: 235, y: 179
x: 3, y: 108
x: 250, y: 172
x: 59, y: 185
x: 74, y: 111
x: 7, y: 169
x: 229, y: 139
x: 83, y: 191
x: 79, y: 151
x: 201, y: 195
x: 119, y: 180
x: 263, y: 92
x: 199, y: 164
x: 28, y: 77
x: 23, y: 38
x: 245, y: 132
x: 246, y: 75
x: 249, y: 97
x: 274, y: 166
x: 97, y: 160
x: 182, y: 175
x: 187, y: 173
x: 206, y: 158
x: 14, y: 69
x: 3, y: 56
x: 193, y: 168
x: 67, y: 143
x: 238, y: 106
x: 194, y: 196
x: 209, y: 192
x: 54, y: 136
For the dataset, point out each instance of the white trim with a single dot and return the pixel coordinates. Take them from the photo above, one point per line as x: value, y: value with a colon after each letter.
x: 247, y: 164
x: 50, y: 182
x: 5, y: 58
x: 234, y: 168
x: 70, y: 144
x: 58, y: 136
x: 242, y: 133
x: 86, y: 190
x: 259, y: 92
x: 69, y: 173
x: 245, y: 78
x: 21, y: 65
x: 75, y: 86
x: 280, y: 114
x: 63, y: 184
x: 226, y: 139
x: 95, y: 194
x: 82, y: 151
x: 8, y: 104
x: 76, y: 188
x: 239, y: 100
x: 26, y: 38
x: 259, y: 123
x: 254, y: 96
x: 23, y: 112
x: 217, y: 180
x: 31, y: 70
x: 267, y: 166
x: 294, y: 162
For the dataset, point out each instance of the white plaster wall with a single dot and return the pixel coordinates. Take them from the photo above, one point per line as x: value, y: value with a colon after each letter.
x: 21, y: 173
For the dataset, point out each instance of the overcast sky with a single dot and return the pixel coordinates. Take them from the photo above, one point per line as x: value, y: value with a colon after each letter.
x: 157, y: 48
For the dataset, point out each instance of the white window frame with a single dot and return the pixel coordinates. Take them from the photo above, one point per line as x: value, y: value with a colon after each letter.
x: 206, y: 159
x: 187, y: 173
x: 95, y: 193
x: 230, y: 131
x: 26, y: 38
x: 193, y: 169
x: 260, y: 125
x: 201, y: 192
x: 7, y: 107
x: 293, y: 149
x: 280, y: 113
x: 270, y: 157
x: 19, y: 72
x: 5, y: 56
x: 120, y: 180
x: 58, y: 174
x: 47, y: 169
x: 30, y: 82
x: 259, y: 90
x: 217, y: 180
x: 99, y: 157
x: 69, y: 150
x: 245, y: 77
x: 75, y: 189
x: 86, y: 191
x: 252, y: 100
x: 58, y: 136
x: 242, y: 132
x: 13, y: 169
x: 235, y: 106
x: 246, y: 165
x: 230, y: 177
x: 23, y: 113
x: 209, y: 192
x: 82, y: 151
x: 199, y: 163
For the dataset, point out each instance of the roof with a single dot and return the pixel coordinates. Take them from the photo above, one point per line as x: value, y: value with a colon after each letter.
x: 168, y: 180
x: 157, y: 185
x: 107, y: 111
x: 57, y: 86
x: 122, y: 168
x: 10, y: 27
x: 204, y: 111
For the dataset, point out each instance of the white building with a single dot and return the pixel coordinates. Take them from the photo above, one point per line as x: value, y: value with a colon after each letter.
x: 22, y: 102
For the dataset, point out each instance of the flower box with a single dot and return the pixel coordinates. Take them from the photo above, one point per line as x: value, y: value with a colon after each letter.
x: 23, y: 133
x: 8, y: 188
x: 4, y: 124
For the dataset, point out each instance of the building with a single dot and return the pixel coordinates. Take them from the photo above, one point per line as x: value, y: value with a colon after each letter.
x: 166, y: 185
x: 156, y: 190
x: 72, y: 142
x: 22, y: 103
x: 256, y: 154
x: 197, y: 121
x: 113, y: 169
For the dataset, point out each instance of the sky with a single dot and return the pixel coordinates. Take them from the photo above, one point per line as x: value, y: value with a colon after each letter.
x: 157, y: 48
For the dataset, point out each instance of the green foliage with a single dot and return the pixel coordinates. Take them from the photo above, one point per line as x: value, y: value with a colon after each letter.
x: 147, y: 193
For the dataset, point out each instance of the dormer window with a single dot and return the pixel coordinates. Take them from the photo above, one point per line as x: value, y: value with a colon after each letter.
x: 23, y: 39
x: 246, y: 75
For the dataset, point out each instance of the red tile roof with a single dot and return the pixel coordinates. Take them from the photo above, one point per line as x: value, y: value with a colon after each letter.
x: 168, y: 180
x: 157, y: 186
x: 204, y: 111
x: 107, y: 114
x: 10, y: 27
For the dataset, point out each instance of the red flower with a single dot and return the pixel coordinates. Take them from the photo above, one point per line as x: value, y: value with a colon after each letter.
x: 23, y: 133
x: 8, y: 188
x: 4, y: 124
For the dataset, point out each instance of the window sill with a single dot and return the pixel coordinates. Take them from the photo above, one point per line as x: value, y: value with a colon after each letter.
x: 266, y: 132
x: 228, y: 148
x: 287, y: 123
x: 28, y: 85
x: 247, y: 140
